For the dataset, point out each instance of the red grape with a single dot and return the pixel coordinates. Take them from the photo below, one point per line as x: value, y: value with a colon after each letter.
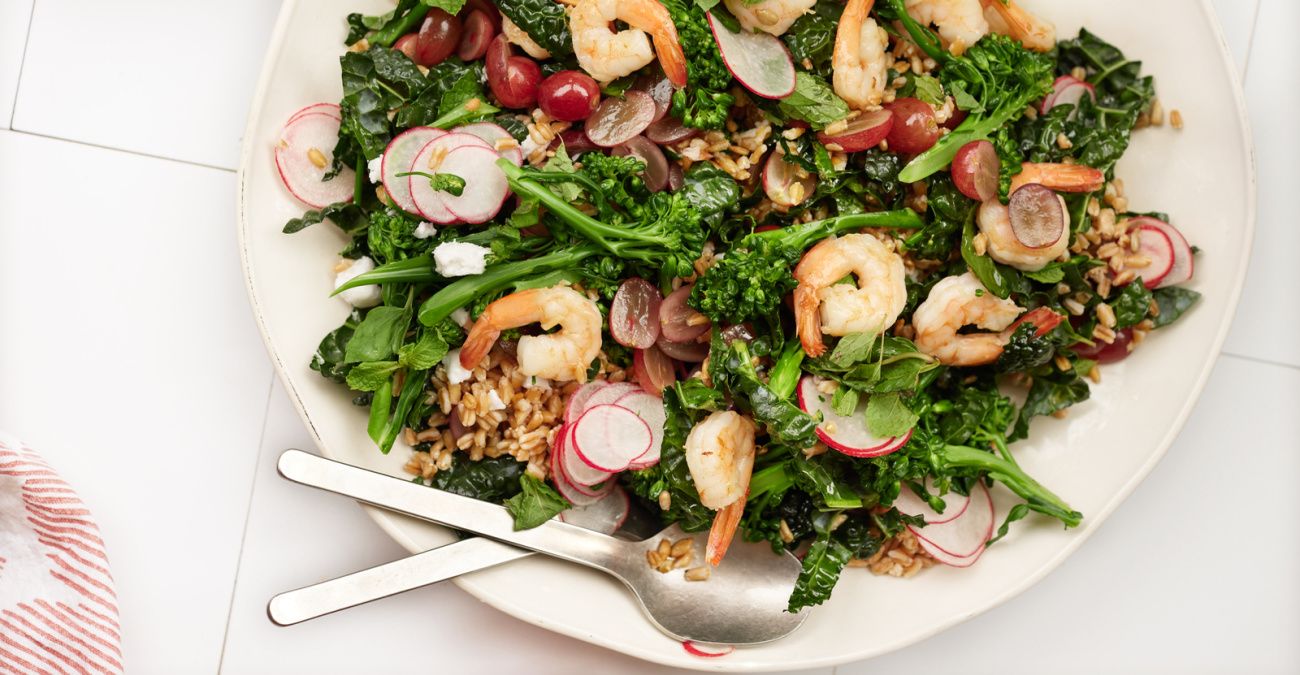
x: 975, y: 170
x: 1106, y: 353
x: 489, y: 10
x: 407, y: 44
x: 634, y: 314
x: 915, y: 129
x: 681, y: 323
x: 654, y: 370
x: 569, y: 95
x: 438, y: 37
x: 513, y: 79
x: 476, y: 36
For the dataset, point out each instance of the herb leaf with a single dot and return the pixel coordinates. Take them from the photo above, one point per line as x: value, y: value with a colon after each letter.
x: 535, y: 504
x: 888, y: 417
x: 379, y: 335
x: 813, y: 101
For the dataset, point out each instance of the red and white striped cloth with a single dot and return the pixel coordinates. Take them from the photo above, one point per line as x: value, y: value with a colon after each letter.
x: 58, y: 610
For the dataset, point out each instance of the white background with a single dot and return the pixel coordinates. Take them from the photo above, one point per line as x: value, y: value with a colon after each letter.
x: 129, y: 358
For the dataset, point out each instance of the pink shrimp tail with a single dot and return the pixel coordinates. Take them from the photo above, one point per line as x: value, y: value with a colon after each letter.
x: 479, y: 341
x: 723, y: 531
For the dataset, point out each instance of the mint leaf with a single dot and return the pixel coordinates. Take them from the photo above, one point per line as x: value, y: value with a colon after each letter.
x: 888, y: 417
x: 424, y: 353
x: 813, y: 101
x: 371, y: 375
x: 379, y: 335
x: 536, y: 504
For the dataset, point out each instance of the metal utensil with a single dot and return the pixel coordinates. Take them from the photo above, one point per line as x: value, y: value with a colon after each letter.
x: 422, y: 569
x: 743, y: 602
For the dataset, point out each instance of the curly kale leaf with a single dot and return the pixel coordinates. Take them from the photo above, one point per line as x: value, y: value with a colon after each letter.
x: 491, y: 479
x: 685, y: 403
x: 544, y: 20
x: 1026, y: 350
x: 330, y: 360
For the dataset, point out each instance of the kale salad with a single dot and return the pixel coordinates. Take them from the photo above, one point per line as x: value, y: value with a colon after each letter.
x: 799, y: 272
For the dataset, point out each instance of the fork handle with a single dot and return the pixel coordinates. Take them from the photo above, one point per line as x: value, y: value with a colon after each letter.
x: 398, y: 576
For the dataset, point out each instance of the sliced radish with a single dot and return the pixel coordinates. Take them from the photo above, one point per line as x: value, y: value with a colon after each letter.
x: 429, y: 202
x: 846, y: 433
x: 786, y: 183
x: 949, y: 559
x: 706, y: 650
x: 498, y: 138
x: 1060, y: 83
x: 327, y: 108
x: 975, y: 170
x: 650, y: 409
x: 1071, y: 94
x: 610, y: 437
x: 863, y: 132
x: 568, y: 489
x: 398, y: 158
x: 964, y: 535
x: 911, y: 504
x: 1183, y: 265
x: 1038, y: 216
x: 760, y: 62
x: 303, y: 155
x: 578, y: 400
x: 1157, y: 247
x: 587, y: 480
x: 619, y: 120
x: 486, y: 187
x: 634, y: 313
x: 605, y: 515
x: 611, y: 393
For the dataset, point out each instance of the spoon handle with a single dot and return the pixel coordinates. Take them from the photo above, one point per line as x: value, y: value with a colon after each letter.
x: 439, y: 564
x: 553, y: 537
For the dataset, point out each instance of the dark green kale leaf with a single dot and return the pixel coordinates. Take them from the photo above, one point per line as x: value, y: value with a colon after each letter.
x: 711, y: 190
x: 1132, y: 304
x: 949, y: 210
x: 330, y: 360
x: 811, y: 38
x: 685, y: 403
x: 491, y: 479
x: 732, y: 370
x: 1173, y: 303
x: 1050, y: 393
x: 544, y: 20
x: 535, y: 504
x: 1025, y: 350
x: 822, y: 565
x: 348, y: 216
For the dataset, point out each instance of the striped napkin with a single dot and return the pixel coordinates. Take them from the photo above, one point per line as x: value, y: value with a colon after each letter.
x: 58, y: 611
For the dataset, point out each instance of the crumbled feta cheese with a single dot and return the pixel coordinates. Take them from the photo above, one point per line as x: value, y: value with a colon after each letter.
x: 361, y: 296
x: 455, y: 373
x: 535, y: 382
x: 424, y: 230
x: 460, y: 316
x: 376, y: 167
x: 458, y: 259
x: 494, y: 401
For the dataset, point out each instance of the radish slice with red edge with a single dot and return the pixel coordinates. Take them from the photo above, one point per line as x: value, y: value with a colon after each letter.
x: 1057, y: 85
x: 975, y: 170
x: 610, y: 393
x: 582, y: 475
x: 863, y: 132
x: 619, y: 120
x: 571, y: 491
x: 705, y: 650
x: 608, y: 437
x: 949, y: 559
x: 605, y: 515
x: 327, y: 108
x: 578, y: 399
x: 760, y: 62
x: 1184, y: 265
x: 429, y: 202
x: 486, y: 187
x: 650, y: 409
x: 1158, y: 248
x: 303, y: 156
x: 910, y: 503
x: 634, y: 313
x: 398, y: 158
x: 964, y: 535
x: 1072, y: 94
x: 845, y: 433
x: 498, y: 138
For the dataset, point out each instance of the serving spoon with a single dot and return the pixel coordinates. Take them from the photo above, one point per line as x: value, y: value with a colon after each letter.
x: 742, y: 603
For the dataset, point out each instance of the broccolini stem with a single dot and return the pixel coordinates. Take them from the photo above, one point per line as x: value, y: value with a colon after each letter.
x: 803, y: 235
x: 1038, y: 497
x: 497, y: 278
x: 587, y: 226
x: 401, y: 25
x: 410, y: 271
x: 785, y: 373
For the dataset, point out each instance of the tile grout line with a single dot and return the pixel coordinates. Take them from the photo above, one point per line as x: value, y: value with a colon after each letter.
x: 110, y: 148
x: 1250, y: 43
x: 1261, y: 361
x: 18, y: 84
x: 248, y: 517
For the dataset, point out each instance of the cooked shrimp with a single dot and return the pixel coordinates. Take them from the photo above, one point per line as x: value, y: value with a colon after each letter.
x: 994, y: 221
x: 518, y: 36
x: 961, y: 22
x: 720, y: 456
x: 562, y: 355
x: 1059, y: 177
x: 1012, y: 20
x: 962, y: 300
x: 769, y: 16
x: 608, y: 55
x: 872, y: 305
x: 859, y: 61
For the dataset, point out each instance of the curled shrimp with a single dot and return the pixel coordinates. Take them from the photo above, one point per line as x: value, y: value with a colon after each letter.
x: 823, y: 306
x: 608, y: 55
x: 770, y: 16
x: 961, y: 23
x: 859, y: 62
x: 962, y: 300
x: 1012, y: 20
x: 1059, y: 177
x: 562, y: 355
x: 520, y: 37
x: 994, y: 220
x: 720, y: 455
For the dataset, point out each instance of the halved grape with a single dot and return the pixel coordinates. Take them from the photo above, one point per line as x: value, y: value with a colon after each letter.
x: 679, y: 321
x: 634, y: 314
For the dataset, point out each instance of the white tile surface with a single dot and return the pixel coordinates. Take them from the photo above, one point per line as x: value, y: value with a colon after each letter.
x: 14, y: 15
x: 130, y: 360
x: 298, y: 536
x: 166, y: 78
x: 1268, y: 325
x: 1238, y: 20
x: 1190, y: 575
